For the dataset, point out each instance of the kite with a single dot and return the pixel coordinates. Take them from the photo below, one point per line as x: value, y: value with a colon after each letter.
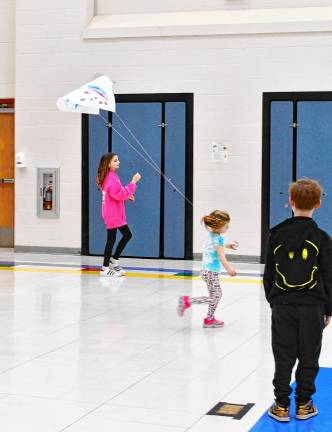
x: 90, y: 98
x: 98, y: 95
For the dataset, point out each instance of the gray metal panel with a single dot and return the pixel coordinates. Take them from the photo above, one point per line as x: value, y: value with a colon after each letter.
x: 46, y: 249
x: 6, y: 237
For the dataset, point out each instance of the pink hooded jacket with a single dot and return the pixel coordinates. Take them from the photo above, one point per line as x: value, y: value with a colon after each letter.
x: 114, y: 196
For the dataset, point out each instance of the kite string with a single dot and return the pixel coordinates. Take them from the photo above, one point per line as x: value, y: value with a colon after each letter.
x: 106, y: 122
x: 149, y: 156
x: 116, y: 131
x: 153, y: 167
x: 138, y: 142
x: 150, y: 162
x: 111, y: 126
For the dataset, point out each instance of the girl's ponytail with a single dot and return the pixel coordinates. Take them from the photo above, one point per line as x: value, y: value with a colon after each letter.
x: 216, y: 220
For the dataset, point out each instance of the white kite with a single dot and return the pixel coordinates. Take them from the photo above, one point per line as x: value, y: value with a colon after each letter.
x: 90, y: 98
x: 98, y: 95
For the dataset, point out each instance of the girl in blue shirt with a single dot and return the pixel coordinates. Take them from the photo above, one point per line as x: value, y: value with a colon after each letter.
x: 214, y: 259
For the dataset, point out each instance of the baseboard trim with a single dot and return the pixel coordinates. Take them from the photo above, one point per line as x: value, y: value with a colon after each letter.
x: 252, y: 259
x: 47, y: 250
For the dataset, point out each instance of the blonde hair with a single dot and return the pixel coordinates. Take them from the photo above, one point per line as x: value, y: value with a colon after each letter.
x: 216, y: 220
x: 305, y: 193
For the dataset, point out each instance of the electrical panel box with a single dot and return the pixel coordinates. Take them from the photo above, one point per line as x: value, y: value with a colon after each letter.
x: 48, y: 198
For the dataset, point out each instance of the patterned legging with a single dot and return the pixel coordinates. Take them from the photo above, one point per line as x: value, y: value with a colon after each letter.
x: 213, y: 285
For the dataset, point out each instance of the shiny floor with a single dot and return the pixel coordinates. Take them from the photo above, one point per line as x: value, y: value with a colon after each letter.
x: 81, y: 353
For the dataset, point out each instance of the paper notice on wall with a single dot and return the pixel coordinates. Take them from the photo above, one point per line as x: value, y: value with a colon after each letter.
x: 219, y: 151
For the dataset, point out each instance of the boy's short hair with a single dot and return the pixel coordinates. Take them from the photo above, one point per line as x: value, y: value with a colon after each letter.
x: 305, y: 193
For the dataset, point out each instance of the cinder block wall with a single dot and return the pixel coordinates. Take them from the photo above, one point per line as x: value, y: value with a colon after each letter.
x: 7, y: 48
x: 227, y: 75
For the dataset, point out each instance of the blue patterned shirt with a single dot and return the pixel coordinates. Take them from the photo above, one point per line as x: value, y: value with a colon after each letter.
x: 210, y: 255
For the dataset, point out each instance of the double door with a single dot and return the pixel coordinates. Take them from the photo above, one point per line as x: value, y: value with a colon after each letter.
x: 149, y: 136
x: 297, y: 143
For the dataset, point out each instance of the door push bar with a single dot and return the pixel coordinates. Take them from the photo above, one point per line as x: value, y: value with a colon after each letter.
x: 7, y: 180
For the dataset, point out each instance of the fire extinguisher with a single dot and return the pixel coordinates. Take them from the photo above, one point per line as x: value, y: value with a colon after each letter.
x: 48, y: 197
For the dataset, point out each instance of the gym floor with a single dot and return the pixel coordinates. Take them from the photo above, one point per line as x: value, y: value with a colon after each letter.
x: 83, y: 353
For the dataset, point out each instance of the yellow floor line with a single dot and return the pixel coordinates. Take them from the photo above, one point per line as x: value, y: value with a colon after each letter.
x: 128, y: 274
x: 41, y: 270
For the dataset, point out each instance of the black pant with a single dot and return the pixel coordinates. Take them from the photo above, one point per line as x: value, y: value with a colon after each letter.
x: 296, y: 334
x: 111, y: 237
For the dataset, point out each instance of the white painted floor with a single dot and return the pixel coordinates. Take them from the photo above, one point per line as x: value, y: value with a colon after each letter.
x: 80, y: 353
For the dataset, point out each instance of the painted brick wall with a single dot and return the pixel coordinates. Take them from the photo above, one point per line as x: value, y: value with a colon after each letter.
x: 226, y: 74
x: 7, y: 53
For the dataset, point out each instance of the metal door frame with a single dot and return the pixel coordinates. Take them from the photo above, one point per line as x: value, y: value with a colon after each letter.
x: 188, y: 99
x: 266, y: 146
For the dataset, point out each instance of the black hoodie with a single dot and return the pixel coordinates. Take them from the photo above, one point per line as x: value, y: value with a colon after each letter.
x: 297, y: 239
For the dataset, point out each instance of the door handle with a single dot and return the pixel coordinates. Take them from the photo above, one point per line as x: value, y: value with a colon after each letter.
x: 7, y: 180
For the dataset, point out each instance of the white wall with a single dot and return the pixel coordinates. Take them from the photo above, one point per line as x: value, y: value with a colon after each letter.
x: 104, y: 7
x: 226, y: 74
x: 7, y: 50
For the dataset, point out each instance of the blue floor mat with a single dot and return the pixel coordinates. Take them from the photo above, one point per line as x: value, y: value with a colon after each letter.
x: 321, y: 423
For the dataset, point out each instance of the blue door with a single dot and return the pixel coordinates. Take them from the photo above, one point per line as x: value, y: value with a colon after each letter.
x: 174, y: 204
x: 97, y: 146
x: 314, y: 152
x: 281, y: 160
x: 157, y: 217
x: 309, y: 145
x: 143, y: 214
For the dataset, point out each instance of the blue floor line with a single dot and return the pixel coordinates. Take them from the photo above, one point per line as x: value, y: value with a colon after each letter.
x: 176, y: 272
x: 162, y: 270
x: 85, y: 266
x: 321, y: 423
x: 6, y: 264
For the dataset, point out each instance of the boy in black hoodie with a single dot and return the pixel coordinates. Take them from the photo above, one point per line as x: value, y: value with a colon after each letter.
x: 298, y: 286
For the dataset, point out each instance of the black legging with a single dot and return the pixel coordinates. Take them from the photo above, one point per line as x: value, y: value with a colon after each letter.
x: 111, y: 237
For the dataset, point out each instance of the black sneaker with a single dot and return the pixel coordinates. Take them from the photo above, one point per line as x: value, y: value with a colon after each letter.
x: 279, y: 412
x: 306, y: 410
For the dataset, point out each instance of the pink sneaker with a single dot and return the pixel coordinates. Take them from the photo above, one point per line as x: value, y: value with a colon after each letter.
x: 184, y: 303
x: 212, y: 323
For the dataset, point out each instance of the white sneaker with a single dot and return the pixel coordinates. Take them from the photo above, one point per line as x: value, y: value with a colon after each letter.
x: 114, y: 264
x: 110, y: 272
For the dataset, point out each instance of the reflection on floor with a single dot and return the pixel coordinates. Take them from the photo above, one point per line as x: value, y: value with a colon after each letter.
x: 82, y: 353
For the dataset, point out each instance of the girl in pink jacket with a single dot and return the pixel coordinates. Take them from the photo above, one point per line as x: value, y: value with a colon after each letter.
x: 113, y: 211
